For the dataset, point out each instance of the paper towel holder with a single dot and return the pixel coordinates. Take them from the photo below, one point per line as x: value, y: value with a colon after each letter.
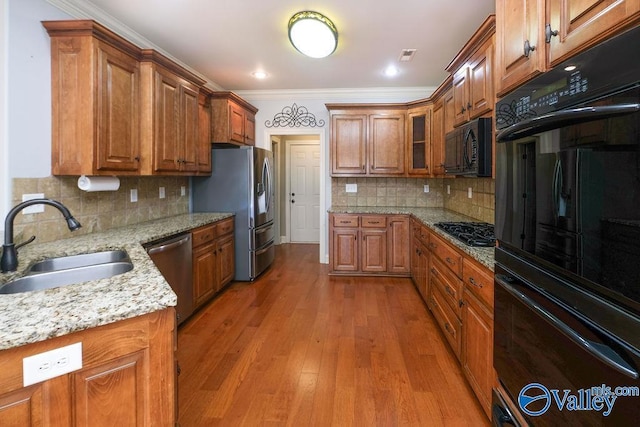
x: 98, y: 183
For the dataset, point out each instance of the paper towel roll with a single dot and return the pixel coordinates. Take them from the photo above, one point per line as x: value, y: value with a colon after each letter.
x: 98, y: 183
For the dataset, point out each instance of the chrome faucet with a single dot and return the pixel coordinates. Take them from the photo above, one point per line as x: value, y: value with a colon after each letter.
x: 9, y: 261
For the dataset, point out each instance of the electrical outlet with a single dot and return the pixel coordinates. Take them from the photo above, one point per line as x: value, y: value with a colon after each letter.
x: 448, y: 189
x: 183, y: 190
x: 33, y: 208
x: 50, y: 364
x: 351, y: 188
x: 134, y: 195
x: 469, y: 192
x: 426, y: 188
x: 161, y: 193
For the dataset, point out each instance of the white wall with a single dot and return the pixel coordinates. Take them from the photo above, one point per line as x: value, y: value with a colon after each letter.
x: 4, y: 158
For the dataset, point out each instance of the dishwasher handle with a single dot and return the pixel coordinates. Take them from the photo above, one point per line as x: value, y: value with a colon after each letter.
x: 169, y: 245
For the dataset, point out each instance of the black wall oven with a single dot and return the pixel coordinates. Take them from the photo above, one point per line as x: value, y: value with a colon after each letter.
x: 567, y: 291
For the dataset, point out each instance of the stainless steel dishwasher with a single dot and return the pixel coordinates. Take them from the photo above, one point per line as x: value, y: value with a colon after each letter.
x: 173, y: 258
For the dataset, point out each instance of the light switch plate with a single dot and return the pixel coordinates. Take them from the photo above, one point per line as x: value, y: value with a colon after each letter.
x: 351, y: 188
x: 50, y: 364
x: 183, y: 190
x: 134, y: 195
x: 426, y: 188
x: 448, y: 189
x: 469, y: 192
x: 33, y: 208
x: 161, y: 193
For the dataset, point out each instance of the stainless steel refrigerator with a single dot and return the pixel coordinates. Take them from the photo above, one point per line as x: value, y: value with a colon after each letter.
x: 242, y: 182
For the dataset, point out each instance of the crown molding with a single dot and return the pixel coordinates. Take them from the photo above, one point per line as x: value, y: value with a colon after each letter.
x: 380, y: 94
x: 82, y: 9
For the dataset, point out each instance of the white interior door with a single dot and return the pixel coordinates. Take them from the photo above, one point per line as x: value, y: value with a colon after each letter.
x: 304, y: 196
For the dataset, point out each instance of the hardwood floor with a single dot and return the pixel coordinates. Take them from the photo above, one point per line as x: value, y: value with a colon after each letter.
x: 300, y: 348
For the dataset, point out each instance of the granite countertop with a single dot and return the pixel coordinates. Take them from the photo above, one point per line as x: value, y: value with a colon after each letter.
x: 39, y: 315
x: 429, y: 216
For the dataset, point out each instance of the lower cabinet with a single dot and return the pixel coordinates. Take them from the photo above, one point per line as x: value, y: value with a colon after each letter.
x: 369, y: 244
x: 213, y: 259
x: 128, y: 377
x: 420, y: 258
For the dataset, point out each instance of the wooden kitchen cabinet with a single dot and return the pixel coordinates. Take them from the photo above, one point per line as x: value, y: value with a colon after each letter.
x: 477, y: 331
x: 204, y: 132
x: 369, y: 244
x: 233, y: 119
x: 128, y: 377
x: 213, y: 259
x: 533, y: 36
x: 420, y: 258
x: 472, y: 71
x: 419, y: 140
x: 367, y: 140
x: 95, y: 94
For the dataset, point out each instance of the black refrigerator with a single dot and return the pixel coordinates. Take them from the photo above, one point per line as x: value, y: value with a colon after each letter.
x: 241, y: 182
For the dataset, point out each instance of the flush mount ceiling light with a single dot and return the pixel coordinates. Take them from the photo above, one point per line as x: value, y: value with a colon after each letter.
x: 313, y: 34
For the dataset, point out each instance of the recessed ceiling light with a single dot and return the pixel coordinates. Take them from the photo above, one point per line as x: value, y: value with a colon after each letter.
x: 570, y: 68
x: 259, y: 75
x: 391, y: 71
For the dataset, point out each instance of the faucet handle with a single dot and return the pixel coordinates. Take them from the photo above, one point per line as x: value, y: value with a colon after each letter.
x: 26, y: 242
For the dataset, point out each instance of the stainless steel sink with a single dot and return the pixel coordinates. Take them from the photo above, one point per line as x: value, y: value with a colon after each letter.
x: 61, y: 271
x: 75, y: 261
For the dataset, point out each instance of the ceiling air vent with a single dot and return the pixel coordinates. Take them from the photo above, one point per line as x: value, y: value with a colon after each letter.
x: 407, y: 55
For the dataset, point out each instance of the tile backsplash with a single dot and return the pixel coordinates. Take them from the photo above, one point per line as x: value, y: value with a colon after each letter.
x: 96, y: 211
x: 449, y: 193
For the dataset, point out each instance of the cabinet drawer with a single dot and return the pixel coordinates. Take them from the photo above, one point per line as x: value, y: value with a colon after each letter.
x: 374, y: 221
x: 446, y: 253
x: 225, y: 226
x: 343, y: 220
x: 479, y: 282
x: 203, y: 235
x: 449, y: 323
x: 450, y: 286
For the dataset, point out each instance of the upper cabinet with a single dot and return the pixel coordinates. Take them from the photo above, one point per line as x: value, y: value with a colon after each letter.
x: 367, y: 140
x: 419, y: 139
x: 533, y: 36
x: 233, y: 119
x: 472, y: 71
x: 118, y: 109
x: 204, y: 132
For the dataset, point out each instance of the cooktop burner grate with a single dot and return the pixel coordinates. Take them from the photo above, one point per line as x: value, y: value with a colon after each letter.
x: 470, y: 233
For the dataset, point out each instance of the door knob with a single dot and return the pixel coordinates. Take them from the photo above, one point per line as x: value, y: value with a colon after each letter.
x: 293, y: 194
x: 293, y: 201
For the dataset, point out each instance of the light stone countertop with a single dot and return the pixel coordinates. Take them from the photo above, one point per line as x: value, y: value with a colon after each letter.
x: 30, y: 317
x: 429, y: 216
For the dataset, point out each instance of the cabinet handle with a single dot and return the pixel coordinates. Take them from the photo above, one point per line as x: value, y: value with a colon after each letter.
x: 433, y: 301
x: 434, y: 271
x: 528, y: 48
x: 473, y: 282
x: 345, y: 222
x: 136, y: 158
x: 460, y: 303
x: 450, y: 261
x: 548, y: 33
x: 462, y: 110
x: 355, y: 237
x: 468, y: 105
x: 374, y: 222
x: 433, y: 245
x: 449, y: 290
x: 447, y: 326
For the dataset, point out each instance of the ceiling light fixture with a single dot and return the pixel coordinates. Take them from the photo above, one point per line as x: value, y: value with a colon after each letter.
x: 391, y: 71
x: 313, y: 34
x: 259, y: 75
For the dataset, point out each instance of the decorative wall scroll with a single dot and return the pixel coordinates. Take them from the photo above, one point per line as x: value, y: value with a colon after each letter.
x: 294, y: 116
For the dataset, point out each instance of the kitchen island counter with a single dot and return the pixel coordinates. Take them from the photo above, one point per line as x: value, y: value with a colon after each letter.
x: 429, y: 216
x: 30, y: 317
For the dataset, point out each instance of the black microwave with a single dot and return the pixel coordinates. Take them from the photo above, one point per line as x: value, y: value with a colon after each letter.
x: 468, y: 149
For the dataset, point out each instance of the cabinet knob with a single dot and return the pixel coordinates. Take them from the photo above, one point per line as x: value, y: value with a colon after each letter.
x: 528, y: 48
x: 462, y: 110
x: 136, y: 158
x: 468, y: 105
x: 548, y: 33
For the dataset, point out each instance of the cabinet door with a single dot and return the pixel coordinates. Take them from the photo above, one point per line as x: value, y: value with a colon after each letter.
x: 386, y: 143
x: 114, y: 393
x: 581, y: 24
x: 45, y: 403
x: 399, y: 245
x: 374, y: 251
x: 204, y: 134
x: 437, y: 139
x: 166, y: 121
x: 477, y: 351
x: 449, y: 112
x: 236, y: 123
x: 249, y: 129
x: 518, y: 22
x: 118, y: 110
x: 204, y: 273
x: 481, y: 82
x: 348, y: 134
x: 189, y: 135
x: 344, y: 251
x: 461, y: 102
x: 419, y: 142
x: 226, y: 260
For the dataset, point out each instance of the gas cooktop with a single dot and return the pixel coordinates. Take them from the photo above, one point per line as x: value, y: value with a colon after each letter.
x: 470, y: 233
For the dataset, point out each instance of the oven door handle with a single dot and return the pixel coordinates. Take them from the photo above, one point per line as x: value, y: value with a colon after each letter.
x: 600, y: 351
x: 563, y: 118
